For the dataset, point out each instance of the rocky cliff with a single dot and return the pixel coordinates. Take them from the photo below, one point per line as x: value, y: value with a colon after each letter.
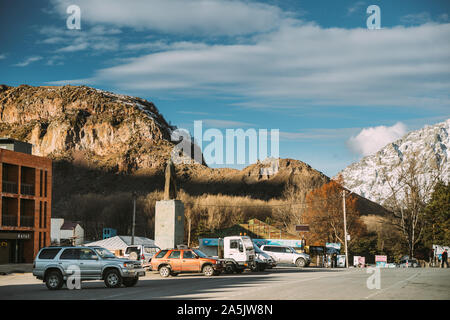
x: 86, y: 125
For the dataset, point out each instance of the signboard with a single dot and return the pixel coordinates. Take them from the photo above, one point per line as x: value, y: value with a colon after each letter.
x: 259, y: 242
x: 210, y: 241
x: 279, y: 242
x: 302, y: 228
x: 15, y: 235
x: 359, y: 261
x: 438, y: 250
x: 341, y: 261
x: 333, y: 248
x: 381, y: 261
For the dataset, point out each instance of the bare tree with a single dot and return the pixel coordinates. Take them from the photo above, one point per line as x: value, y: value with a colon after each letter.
x: 409, y: 191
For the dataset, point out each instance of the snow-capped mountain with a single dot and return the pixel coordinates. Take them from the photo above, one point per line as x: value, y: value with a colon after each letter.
x: 431, y: 148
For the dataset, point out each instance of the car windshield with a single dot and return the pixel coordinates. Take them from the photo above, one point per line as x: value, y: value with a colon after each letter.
x: 257, y: 249
x: 104, y: 253
x: 200, y: 254
x: 248, y: 244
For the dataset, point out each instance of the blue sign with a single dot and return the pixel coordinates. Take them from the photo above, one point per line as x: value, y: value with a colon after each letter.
x: 109, y: 233
x: 210, y: 241
x: 259, y: 242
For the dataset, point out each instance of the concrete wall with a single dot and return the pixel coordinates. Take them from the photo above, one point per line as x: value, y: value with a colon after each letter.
x: 55, y: 229
x: 169, y: 223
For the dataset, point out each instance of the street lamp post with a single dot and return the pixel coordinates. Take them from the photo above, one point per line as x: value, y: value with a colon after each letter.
x: 134, y: 218
x: 345, y: 229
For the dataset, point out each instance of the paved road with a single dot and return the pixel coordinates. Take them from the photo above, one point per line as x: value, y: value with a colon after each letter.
x: 280, y: 283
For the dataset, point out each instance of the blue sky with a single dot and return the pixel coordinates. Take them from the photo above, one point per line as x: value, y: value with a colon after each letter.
x: 335, y: 90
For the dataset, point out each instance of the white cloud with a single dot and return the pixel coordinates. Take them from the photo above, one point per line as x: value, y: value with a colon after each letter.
x: 317, y: 134
x: 370, y: 140
x: 97, y: 38
x: 416, y: 18
x: 302, y: 65
x: 2, y: 56
x: 199, y: 17
x: 355, y: 7
x: 219, y: 123
x: 27, y: 61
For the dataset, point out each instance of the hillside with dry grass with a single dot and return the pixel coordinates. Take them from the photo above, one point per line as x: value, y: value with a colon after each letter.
x: 106, y: 146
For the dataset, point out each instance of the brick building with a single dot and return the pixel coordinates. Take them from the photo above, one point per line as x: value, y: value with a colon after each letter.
x: 25, y: 206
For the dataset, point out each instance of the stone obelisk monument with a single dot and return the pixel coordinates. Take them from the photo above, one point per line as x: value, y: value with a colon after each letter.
x: 169, y: 214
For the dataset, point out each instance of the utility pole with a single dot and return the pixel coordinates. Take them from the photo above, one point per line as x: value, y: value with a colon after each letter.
x: 345, y: 229
x: 134, y: 218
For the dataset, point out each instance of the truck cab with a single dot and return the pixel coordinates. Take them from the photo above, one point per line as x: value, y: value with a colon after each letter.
x: 236, y: 253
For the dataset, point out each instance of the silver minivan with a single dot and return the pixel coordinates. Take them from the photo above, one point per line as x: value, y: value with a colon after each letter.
x: 285, y: 254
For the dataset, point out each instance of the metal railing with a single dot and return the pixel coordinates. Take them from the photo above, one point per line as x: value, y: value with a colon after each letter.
x: 26, y: 221
x: 9, y: 221
x: 9, y: 187
x: 27, y: 189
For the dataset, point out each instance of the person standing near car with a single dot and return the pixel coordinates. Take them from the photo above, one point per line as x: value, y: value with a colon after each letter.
x: 444, y: 258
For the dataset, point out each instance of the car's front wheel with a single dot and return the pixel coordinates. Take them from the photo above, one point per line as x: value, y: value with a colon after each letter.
x: 113, y: 279
x: 130, y: 282
x: 208, y: 270
x: 54, y: 280
x: 300, y: 262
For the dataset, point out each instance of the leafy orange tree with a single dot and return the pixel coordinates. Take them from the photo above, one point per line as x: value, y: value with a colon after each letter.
x: 324, y: 214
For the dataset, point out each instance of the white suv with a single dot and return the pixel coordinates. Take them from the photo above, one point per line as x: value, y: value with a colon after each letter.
x: 142, y: 253
x: 285, y: 254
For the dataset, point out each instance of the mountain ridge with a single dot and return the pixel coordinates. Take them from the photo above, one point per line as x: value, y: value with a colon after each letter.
x: 430, y: 146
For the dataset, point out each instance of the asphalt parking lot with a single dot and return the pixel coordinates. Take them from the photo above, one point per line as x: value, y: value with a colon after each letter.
x: 283, y: 283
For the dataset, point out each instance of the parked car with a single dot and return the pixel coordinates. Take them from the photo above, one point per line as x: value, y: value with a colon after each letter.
x: 285, y: 254
x: 409, y: 263
x: 54, y: 265
x: 142, y: 253
x: 261, y: 255
x: 176, y: 261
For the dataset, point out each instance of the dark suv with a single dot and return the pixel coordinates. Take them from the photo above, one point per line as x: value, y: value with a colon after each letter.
x: 54, y: 265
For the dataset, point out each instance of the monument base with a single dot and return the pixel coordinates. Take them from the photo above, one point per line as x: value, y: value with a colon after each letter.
x: 169, y: 223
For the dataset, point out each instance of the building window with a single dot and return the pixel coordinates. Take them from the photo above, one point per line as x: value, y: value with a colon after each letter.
x: 40, y: 240
x: 40, y: 214
x: 45, y: 184
x: 45, y: 239
x: 40, y: 183
x: 45, y: 214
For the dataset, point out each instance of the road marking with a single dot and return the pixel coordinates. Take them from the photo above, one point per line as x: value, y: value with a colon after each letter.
x: 401, y: 281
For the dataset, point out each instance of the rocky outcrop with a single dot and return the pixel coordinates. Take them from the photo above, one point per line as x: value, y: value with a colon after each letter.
x: 79, y: 123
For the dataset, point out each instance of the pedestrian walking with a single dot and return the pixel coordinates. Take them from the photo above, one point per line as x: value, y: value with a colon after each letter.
x: 432, y: 258
x: 334, y: 260
x: 444, y: 258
